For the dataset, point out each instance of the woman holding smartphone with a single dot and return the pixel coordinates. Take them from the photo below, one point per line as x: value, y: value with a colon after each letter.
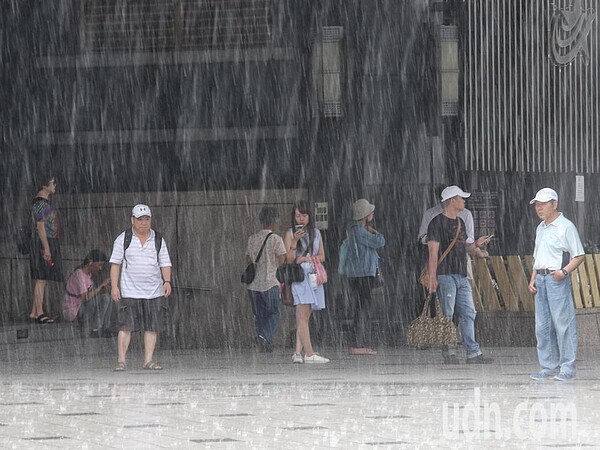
x: 303, y: 243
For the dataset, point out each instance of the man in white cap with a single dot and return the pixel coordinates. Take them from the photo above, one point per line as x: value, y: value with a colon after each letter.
x: 449, y: 276
x: 558, y: 252
x: 140, y: 279
x: 465, y: 215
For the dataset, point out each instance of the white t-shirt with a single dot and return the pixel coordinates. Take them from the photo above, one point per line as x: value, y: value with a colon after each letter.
x: 140, y: 269
x: 554, y: 239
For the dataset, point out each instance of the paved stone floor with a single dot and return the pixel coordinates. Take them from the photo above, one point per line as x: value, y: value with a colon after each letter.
x: 65, y: 395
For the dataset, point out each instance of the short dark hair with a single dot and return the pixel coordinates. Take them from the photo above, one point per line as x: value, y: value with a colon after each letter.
x: 94, y: 256
x: 268, y: 216
x: 43, y: 179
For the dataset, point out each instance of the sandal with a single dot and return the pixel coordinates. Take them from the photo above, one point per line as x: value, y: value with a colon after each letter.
x: 43, y: 318
x: 152, y: 366
x: 120, y: 367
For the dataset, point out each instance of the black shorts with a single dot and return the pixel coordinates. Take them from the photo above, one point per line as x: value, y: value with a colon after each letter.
x: 144, y: 314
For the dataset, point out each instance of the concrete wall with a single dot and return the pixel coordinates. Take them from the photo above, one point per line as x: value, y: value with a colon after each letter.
x: 206, y: 233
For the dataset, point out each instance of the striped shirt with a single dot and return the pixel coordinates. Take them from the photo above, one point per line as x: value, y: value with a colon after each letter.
x: 140, y: 269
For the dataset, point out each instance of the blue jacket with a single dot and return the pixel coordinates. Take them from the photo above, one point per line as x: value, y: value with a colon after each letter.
x: 362, y: 251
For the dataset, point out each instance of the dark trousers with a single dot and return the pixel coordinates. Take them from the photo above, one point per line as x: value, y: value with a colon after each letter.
x: 265, y: 307
x: 360, y: 306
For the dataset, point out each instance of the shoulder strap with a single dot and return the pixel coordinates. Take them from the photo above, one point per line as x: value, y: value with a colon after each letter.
x: 449, y: 248
x: 262, y: 247
x: 157, y: 242
x: 127, y: 239
x: 129, y: 235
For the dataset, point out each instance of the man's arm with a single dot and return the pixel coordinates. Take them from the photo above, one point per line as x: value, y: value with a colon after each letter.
x: 115, y: 271
x: 166, y: 274
x: 477, y: 252
x: 573, y: 265
x: 432, y: 263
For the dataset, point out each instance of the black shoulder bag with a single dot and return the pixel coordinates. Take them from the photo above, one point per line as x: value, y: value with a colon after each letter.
x: 289, y: 273
x: 250, y: 272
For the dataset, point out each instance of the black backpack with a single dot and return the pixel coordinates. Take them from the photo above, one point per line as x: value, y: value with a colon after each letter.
x: 129, y: 234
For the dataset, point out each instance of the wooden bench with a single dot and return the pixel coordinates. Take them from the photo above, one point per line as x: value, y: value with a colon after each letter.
x: 501, y: 283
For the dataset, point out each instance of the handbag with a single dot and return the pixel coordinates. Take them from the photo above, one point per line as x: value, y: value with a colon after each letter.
x: 289, y: 273
x: 424, y: 276
x: 319, y: 270
x: 250, y: 271
x: 431, y: 332
x: 285, y: 293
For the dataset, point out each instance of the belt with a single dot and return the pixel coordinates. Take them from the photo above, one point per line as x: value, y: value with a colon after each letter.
x: 545, y: 271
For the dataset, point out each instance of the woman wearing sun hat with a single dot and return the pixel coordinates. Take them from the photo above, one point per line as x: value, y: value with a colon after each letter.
x: 361, y: 268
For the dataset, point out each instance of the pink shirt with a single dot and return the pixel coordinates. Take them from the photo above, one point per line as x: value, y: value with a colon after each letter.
x: 78, y: 284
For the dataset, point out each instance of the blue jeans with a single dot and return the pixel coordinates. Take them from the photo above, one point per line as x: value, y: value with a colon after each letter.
x: 454, y: 292
x: 265, y: 307
x: 555, y: 325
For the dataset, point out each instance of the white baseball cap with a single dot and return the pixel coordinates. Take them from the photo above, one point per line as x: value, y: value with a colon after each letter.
x: 140, y: 211
x: 453, y: 191
x: 544, y: 195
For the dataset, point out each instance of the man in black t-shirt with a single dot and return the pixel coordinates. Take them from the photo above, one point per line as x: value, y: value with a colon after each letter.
x: 449, y: 276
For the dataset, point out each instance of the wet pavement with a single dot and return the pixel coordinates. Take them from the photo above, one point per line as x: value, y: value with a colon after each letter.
x: 64, y: 394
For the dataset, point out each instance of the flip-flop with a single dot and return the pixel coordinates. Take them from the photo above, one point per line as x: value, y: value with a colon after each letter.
x: 43, y: 318
x: 152, y: 366
x: 120, y: 367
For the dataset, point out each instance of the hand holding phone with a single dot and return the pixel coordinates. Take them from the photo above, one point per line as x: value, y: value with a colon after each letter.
x: 299, y: 231
x: 484, y: 240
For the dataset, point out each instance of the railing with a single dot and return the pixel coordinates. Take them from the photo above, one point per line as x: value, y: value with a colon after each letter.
x: 501, y: 283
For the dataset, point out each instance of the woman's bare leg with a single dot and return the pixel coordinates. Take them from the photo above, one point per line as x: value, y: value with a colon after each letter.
x: 37, y: 308
x: 303, y: 342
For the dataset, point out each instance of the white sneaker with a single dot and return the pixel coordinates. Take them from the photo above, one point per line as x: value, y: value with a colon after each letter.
x: 315, y: 359
x: 297, y: 358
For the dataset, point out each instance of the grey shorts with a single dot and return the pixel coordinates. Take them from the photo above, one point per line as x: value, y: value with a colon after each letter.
x: 143, y: 314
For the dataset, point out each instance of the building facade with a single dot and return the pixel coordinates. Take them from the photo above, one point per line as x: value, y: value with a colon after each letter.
x: 183, y: 101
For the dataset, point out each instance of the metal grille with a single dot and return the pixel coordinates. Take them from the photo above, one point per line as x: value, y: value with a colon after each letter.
x: 531, y: 80
x: 161, y: 25
x: 326, y: 60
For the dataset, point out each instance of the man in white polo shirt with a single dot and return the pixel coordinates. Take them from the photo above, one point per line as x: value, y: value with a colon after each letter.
x: 558, y: 252
x: 140, y: 279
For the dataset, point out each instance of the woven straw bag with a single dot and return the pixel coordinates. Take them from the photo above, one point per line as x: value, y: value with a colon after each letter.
x: 431, y: 332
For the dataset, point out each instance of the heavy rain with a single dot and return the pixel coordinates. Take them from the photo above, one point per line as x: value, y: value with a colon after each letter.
x: 152, y: 150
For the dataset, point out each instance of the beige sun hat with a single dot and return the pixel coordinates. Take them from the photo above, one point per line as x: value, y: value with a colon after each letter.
x: 361, y: 209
